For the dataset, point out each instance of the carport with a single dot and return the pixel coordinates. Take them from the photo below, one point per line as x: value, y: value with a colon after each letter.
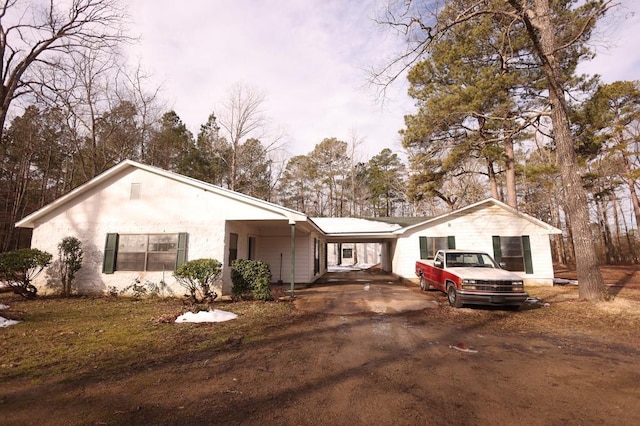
x: 349, y: 238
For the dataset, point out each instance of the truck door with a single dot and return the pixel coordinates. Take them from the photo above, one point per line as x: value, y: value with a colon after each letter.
x: 437, y: 273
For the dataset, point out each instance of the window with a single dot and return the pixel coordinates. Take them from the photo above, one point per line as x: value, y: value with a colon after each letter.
x: 429, y: 246
x: 513, y: 253
x: 144, y: 252
x: 233, y: 247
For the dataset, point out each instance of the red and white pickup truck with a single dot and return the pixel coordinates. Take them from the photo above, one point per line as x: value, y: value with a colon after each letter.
x: 471, y: 277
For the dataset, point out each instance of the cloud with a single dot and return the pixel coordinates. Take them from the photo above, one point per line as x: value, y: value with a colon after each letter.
x: 309, y: 57
x: 616, y: 44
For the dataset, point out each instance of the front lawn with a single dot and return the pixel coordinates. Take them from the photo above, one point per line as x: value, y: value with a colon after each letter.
x: 111, y: 336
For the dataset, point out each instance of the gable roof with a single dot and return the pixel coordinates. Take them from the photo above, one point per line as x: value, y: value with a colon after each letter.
x: 292, y: 215
x: 479, y: 206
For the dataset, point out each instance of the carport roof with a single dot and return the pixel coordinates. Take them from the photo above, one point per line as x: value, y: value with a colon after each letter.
x: 354, y: 226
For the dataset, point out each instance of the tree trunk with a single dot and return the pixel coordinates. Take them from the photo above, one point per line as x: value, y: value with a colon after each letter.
x: 631, y: 257
x: 605, y: 231
x: 556, y: 240
x: 510, y: 168
x: 618, y: 241
x: 493, y: 183
x: 631, y: 183
x: 542, y: 34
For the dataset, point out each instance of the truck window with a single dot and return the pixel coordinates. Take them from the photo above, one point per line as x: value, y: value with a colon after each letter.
x: 455, y: 260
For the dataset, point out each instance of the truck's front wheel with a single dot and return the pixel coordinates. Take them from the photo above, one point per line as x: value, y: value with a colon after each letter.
x: 452, y: 295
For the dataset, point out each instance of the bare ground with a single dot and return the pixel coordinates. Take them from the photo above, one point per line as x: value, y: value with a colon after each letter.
x: 383, y: 355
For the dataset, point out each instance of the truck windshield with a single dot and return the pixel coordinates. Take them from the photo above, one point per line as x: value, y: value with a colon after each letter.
x: 466, y: 260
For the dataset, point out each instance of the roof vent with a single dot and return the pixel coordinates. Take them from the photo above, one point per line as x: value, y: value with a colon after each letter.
x: 135, y: 191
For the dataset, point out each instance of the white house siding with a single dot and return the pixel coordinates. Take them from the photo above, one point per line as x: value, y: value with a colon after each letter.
x: 473, y: 230
x: 165, y: 206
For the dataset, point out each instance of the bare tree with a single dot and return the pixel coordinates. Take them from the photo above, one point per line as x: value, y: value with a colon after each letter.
x: 241, y: 116
x: 148, y: 104
x: 42, y: 32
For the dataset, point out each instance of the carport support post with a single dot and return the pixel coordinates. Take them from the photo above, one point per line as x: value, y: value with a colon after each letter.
x: 293, y: 255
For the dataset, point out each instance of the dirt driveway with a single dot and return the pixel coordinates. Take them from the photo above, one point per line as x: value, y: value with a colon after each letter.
x: 373, y: 350
x: 362, y: 292
x: 385, y: 353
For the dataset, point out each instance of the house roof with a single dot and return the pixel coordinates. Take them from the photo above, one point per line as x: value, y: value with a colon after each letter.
x: 336, y: 227
x: 478, y: 206
x: 291, y: 215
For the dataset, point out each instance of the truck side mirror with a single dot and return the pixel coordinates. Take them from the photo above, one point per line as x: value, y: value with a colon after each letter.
x: 437, y: 263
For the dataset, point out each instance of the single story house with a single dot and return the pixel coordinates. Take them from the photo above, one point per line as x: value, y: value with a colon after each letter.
x: 138, y: 222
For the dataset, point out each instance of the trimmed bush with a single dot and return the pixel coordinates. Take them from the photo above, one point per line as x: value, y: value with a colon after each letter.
x: 251, y: 278
x: 197, y: 277
x: 19, y: 267
x: 70, y: 254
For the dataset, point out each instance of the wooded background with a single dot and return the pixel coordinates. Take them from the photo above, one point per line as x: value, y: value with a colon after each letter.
x: 70, y: 109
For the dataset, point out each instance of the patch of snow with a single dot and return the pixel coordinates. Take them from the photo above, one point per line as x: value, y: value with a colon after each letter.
x: 7, y: 322
x: 214, y: 315
x: 3, y: 306
x: 564, y: 281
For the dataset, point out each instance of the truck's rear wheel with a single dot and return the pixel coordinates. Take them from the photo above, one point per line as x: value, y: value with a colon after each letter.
x: 452, y: 295
x: 424, y: 285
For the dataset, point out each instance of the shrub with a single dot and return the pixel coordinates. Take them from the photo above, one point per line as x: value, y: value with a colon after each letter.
x: 70, y: 254
x: 197, y: 277
x: 139, y: 289
x: 136, y: 288
x: 240, y: 285
x: 251, y: 277
x: 19, y: 267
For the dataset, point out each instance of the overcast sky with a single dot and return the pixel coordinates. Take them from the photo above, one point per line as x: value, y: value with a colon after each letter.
x: 309, y: 58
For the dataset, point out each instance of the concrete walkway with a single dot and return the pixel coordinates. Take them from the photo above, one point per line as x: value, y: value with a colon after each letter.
x: 347, y: 293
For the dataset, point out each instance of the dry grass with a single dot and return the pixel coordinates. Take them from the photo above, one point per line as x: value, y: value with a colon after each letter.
x: 563, y: 315
x: 111, y: 336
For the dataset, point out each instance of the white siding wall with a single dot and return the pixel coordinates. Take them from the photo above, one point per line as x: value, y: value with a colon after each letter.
x: 273, y: 249
x: 474, y: 231
x: 165, y: 206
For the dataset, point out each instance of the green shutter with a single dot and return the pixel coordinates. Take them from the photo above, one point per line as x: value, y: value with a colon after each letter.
x: 181, y: 256
x: 497, y: 252
x: 424, y: 254
x: 451, y: 242
x: 526, y: 248
x: 110, y: 251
